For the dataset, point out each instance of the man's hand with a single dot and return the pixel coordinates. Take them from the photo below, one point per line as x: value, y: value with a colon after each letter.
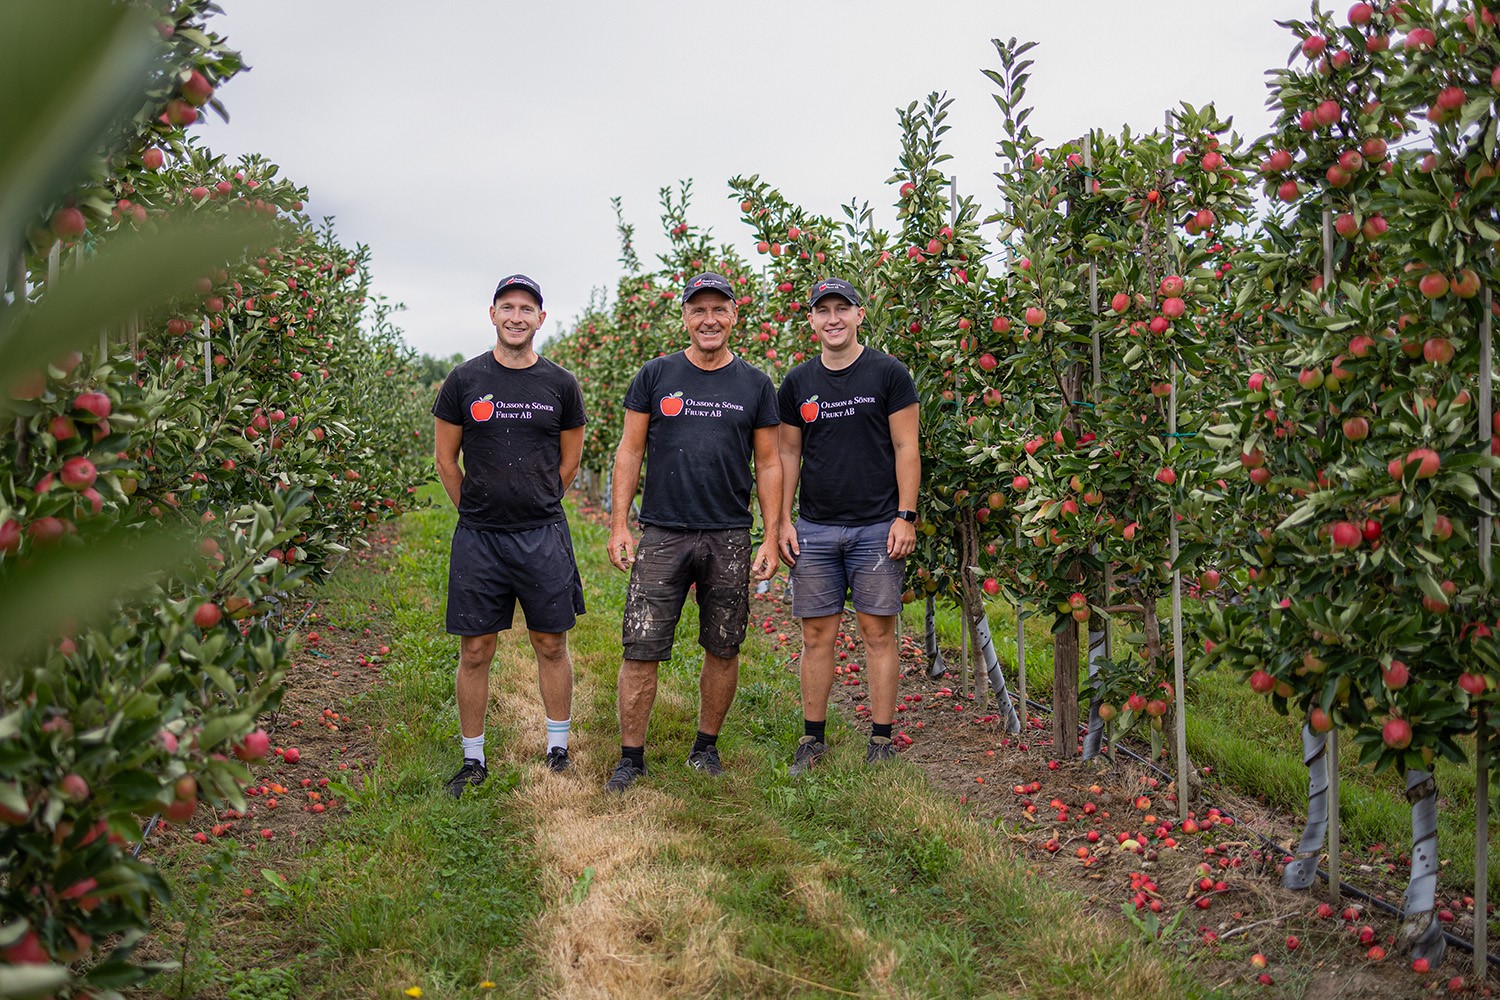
x: 764, y: 566
x: 901, y: 540
x: 789, y: 548
x: 621, y: 549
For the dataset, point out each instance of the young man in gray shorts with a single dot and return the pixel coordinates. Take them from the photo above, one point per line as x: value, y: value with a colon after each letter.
x: 697, y: 416
x: 517, y: 420
x: 849, y: 436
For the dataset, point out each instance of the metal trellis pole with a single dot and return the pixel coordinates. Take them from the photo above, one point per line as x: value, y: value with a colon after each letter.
x: 1481, y: 738
x: 1335, y: 828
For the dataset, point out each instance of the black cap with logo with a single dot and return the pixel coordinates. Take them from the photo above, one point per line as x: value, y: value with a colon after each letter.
x: 522, y: 282
x: 835, y: 286
x: 708, y: 282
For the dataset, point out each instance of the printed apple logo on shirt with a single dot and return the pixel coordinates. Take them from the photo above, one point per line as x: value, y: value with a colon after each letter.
x: 809, y: 409
x: 483, y: 409
x: 672, y: 405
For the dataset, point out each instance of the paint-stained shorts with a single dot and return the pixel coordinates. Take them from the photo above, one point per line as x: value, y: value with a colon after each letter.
x: 835, y: 560
x: 667, y: 564
x: 490, y: 571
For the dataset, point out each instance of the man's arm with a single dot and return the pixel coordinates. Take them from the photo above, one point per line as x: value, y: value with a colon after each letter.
x: 449, y: 439
x: 789, y: 443
x: 571, y: 442
x: 902, y: 539
x: 768, y: 493
x: 627, y: 476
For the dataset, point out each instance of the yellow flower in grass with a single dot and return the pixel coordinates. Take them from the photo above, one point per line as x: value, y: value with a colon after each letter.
x: 413, y: 991
x: 486, y: 985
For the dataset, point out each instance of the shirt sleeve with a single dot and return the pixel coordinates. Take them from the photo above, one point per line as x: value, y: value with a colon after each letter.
x: 638, y: 395
x: 786, y: 402
x: 765, y: 407
x: 900, y: 391
x: 448, y: 407
x: 573, y: 414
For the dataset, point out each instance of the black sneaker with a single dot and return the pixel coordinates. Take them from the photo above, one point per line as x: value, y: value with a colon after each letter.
x: 810, y: 750
x: 472, y: 773
x: 625, y: 774
x: 707, y: 761
x: 557, y: 759
x: 880, y: 749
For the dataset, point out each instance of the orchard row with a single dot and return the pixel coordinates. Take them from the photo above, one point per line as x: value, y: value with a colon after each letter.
x: 246, y: 413
x: 1135, y: 368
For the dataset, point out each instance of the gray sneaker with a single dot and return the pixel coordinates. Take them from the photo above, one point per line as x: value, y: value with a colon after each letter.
x: 707, y: 761
x: 625, y: 774
x: 810, y: 750
x: 880, y: 750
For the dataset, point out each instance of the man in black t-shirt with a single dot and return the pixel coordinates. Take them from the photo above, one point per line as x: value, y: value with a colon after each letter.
x: 849, y: 434
x: 698, y: 416
x: 517, y: 419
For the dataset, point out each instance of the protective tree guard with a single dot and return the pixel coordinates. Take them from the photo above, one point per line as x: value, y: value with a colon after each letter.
x: 1302, y: 871
x: 1094, y: 738
x: 985, y: 646
x: 936, y: 667
x: 1421, y: 933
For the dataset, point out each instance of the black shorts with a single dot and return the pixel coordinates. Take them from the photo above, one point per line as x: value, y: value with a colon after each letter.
x: 489, y: 571
x: 667, y: 563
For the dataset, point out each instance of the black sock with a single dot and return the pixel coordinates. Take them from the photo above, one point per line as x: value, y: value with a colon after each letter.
x: 703, y: 741
x: 817, y: 730
x: 880, y: 730
x: 636, y: 755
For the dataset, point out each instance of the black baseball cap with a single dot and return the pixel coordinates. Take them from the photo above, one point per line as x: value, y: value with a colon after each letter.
x: 708, y: 282
x: 522, y: 282
x: 835, y: 286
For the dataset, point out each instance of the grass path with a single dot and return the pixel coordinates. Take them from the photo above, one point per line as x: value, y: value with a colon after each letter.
x: 847, y: 882
x: 852, y: 883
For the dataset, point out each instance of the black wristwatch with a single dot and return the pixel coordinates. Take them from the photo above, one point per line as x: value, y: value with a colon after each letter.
x: 907, y: 515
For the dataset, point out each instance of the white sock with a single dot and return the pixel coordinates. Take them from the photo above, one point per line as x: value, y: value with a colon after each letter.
x: 474, y: 748
x: 557, y: 733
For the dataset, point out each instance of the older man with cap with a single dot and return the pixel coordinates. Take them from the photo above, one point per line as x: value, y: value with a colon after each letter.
x: 696, y: 417
x: 849, y: 437
x: 517, y: 420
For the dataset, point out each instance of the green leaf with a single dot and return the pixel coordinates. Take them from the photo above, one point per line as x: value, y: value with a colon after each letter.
x: 70, y: 69
x: 132, y: 274
x: 25, y: 981
x: 76, y: 583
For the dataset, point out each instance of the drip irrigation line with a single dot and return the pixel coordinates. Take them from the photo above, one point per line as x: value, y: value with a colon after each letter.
x: 1344, y: 884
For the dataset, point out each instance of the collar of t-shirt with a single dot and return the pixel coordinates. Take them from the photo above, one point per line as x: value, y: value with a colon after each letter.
x: 838, y: 372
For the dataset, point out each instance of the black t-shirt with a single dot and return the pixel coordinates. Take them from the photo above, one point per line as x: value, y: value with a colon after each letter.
x: 848, y: 462
x: 700, y: 440
x: 512, y: 455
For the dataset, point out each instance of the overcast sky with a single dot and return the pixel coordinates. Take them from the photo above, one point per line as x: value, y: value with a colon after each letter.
x: 465, y: 140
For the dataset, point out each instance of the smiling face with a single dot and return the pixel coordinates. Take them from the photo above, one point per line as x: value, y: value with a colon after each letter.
x: 516, y: 317
x: 709, y: 317
x: 836, y: 321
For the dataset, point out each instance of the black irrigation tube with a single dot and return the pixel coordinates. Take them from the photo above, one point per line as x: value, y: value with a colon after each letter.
x: 1344, y: 884
x: 155, y: 819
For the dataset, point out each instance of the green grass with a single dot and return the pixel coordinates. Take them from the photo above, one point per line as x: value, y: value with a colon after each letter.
x: 848, y: 882
x: 1258, y: 752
